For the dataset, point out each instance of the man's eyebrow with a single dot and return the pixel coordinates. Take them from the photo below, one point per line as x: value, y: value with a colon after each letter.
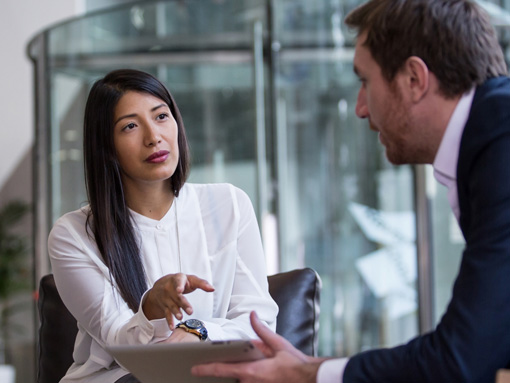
x: 134, y: 114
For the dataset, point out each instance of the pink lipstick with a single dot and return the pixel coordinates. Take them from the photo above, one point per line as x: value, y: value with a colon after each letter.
x: 158, y: 157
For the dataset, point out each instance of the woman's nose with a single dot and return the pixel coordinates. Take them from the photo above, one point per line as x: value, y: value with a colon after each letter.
x: 152, y: 135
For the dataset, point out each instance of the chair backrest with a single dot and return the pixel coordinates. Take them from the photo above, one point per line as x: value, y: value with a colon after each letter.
x: 57, y: 333
x: 296, y: 292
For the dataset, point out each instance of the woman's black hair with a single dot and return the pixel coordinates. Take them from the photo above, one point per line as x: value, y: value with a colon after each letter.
x: 109, y: 218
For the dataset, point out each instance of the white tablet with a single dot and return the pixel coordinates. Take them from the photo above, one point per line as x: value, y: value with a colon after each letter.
x: 171, y: 363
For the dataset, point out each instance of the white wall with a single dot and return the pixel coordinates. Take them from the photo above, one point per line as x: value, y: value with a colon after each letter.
x: 20, y: 20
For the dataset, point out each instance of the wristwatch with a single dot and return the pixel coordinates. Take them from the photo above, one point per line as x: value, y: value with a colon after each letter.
x: 194, y: 326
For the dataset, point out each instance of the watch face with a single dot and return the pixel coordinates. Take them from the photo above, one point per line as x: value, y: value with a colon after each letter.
x: 194, y: 323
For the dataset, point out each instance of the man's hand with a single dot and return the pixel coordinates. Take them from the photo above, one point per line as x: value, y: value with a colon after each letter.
x: 283, y: 362
x: 166, y: 298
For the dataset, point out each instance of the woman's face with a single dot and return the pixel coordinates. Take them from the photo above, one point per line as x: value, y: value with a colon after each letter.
x: 145, y: 139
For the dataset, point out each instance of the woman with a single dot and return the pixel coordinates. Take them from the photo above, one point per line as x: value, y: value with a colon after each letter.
x: 151, y: 250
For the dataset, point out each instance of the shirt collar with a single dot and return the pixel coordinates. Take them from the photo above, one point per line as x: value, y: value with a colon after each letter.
x: 445, y: 163
x: 145, y: 223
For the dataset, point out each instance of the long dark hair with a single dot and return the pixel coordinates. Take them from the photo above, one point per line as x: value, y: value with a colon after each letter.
x: 109, y: 218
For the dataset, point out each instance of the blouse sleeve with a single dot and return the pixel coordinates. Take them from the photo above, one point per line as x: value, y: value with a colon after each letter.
x: 84, y: 284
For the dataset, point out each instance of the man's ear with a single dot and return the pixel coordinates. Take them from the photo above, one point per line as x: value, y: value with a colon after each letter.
x: 416, y: 75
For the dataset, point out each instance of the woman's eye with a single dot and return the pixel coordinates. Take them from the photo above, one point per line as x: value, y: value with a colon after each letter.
x: 129, y: 126
x: 162, y: 116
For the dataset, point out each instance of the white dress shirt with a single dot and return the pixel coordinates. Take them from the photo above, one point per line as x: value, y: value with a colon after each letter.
x: 210, y: 231
x: 445, y: 171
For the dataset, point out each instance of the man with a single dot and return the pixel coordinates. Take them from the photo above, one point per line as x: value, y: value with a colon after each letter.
x: 434, y: 85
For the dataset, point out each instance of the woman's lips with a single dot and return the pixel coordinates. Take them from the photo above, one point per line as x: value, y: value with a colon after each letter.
x: 157, y: 157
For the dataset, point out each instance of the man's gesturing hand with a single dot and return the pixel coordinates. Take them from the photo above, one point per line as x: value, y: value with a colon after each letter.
x: 283, y: 362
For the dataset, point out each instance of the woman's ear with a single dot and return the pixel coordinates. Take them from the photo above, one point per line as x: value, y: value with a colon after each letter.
x: 417, y: 76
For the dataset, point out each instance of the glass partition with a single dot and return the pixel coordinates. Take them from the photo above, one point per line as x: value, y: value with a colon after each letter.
x: 267, y: 93
x: 203, y: 51
x: 337, y: 191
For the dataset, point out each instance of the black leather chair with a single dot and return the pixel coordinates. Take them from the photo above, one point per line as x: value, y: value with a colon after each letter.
x: 296, y: 292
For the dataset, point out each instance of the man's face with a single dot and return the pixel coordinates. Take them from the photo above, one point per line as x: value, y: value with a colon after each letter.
x: 385, y: 107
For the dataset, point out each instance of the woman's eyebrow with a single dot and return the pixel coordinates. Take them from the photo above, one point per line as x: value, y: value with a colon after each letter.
x: 159, y: 106
x: 126, y: 116
x: 134, y: 114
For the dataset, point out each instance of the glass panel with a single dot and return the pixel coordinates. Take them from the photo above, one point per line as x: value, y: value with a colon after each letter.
x: 69, y: 94
x: 222, y: 142
x: 333, y: 179
x: 344, y: 210
x: 159, y: 27
x: 341, y: 208
x: 315, y: 23
x: 208, y: 81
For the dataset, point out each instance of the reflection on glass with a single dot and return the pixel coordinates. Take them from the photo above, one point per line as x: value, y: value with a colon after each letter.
x: 331, y: 166
x: 222, y: 142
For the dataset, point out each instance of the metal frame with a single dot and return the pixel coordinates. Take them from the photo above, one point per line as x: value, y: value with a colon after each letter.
x: 37, y: 50
x: 423, y: 250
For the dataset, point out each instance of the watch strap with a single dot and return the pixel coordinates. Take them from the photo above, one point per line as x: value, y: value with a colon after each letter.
x: 200, y: 331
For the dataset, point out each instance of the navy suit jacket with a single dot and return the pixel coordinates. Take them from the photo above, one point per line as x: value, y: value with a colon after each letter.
x: 472, y: 340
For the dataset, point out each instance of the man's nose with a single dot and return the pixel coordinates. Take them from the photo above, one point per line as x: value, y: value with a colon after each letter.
x: 361, y: 104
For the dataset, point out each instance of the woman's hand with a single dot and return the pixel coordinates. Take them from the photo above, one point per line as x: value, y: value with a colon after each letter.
x: 181, y: 336
x: 166, y: 298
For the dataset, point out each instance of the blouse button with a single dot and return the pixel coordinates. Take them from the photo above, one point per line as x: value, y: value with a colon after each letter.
x: 159, y: 227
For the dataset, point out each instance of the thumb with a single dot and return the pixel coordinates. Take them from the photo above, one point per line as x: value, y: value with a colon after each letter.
x: 273, y: 341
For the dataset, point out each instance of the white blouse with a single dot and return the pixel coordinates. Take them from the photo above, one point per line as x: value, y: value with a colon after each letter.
x: 210, y: 231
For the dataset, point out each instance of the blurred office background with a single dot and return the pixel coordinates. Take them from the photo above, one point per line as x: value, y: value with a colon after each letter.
x: 267, y: 93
